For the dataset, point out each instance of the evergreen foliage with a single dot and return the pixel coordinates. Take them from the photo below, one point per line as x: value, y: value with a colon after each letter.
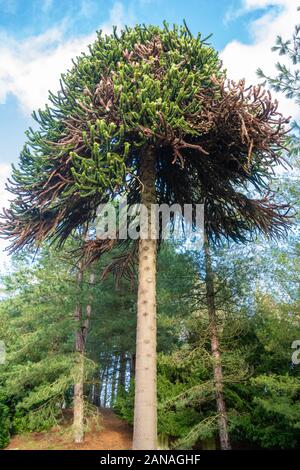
x: 5, y: 422
x: 38, y: 328
x: 256, y: 333
x: 214, y: 140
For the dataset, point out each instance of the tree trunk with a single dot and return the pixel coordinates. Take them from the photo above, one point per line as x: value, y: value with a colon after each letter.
x: 95, y: 390
x: 114, y: 367
x: 215, y: 348
x: 96, y: 398
x: 102, y: 380
x: 132, y: 366
x: 81, y: 337
x: 122, y: 372
x: 92, y: 393
x: 78, y: 423
x: 145, y: 407
x: 105, y: 387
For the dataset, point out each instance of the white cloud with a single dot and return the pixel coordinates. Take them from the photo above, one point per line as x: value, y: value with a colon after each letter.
x: 242, y: 60
x: 4, y: 196
x: 4, y: 174
x: 4, y: 257
x: 118, y: 17
x: 249, y: 5
x: 30, y: 68
x: 254, y: 4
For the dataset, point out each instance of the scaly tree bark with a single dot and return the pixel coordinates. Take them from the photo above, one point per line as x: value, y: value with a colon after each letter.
x: 216, y: 354
x: 145, y: 407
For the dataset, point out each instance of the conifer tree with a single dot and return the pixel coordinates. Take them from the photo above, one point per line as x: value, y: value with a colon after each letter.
x: 215, y: 349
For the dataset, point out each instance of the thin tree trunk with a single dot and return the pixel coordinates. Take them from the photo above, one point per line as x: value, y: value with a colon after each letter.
x: 86, y: 323
x: 145, y: 408
x: 99, y: 390
x: 92, y: 393
x: 96, y: 398
x: 114, y: 365
x: 105, y: 387
x: 132, y: 366
x: 81, y: 337
x: 215, y: 348
x: 95, y: 389
x: 122, y: 372
x: 102, y: 382
x: 78, y: 420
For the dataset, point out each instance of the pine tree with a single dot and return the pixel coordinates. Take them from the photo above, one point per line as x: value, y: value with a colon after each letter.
x: 148, y: 114
x: 38, y: 328
x: 215, y: 349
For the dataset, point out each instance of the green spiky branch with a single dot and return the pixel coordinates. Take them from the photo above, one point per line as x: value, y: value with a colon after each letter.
x: 213, y: 139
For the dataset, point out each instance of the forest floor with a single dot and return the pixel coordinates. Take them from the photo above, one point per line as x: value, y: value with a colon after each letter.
x: 111, y: 433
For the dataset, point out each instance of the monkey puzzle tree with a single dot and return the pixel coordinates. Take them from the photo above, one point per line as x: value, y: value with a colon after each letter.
x: 148, y: 114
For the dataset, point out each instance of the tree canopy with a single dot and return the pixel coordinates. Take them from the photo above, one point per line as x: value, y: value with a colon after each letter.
x: 214, y: 139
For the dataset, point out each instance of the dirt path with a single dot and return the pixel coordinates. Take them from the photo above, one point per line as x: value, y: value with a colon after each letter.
x: 114, y: 435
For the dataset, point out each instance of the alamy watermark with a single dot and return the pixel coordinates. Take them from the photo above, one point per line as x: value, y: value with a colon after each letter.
x: 158, y: 221
x: 2, y: 352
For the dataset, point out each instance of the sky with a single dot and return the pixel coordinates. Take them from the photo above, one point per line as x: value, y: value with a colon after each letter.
x: 38, y: 39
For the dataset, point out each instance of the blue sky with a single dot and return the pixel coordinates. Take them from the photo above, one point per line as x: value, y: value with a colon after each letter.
x: 25, y: 18
x: 39, y: 37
